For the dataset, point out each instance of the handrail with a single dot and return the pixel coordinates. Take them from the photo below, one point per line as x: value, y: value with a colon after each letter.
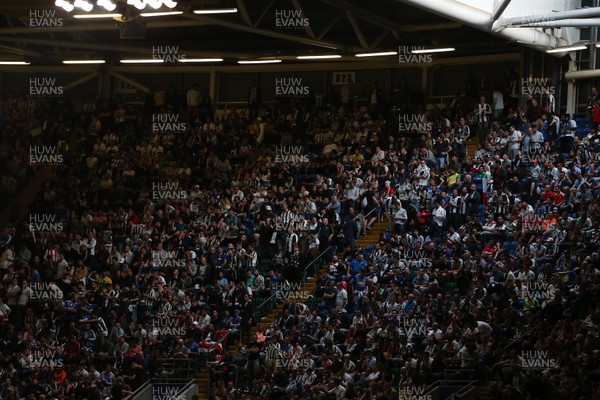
x: 378, y: 216
x: 526, y: 333
x: 142, y: 386
x: 463, y: 391
x: 210, y: 375
x: 431, y: 387
x: 152, y: 381
x: 267, y: 300
x: 445, y: 382
x: 220, y: 339
x: 305, y: 279
x: 315, y: 260
x: 184, y: 389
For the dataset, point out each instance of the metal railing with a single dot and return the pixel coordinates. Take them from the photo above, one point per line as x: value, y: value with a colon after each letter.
x: 313, y: 262
x: 378, y: 217
x: 211, y: 370
x: 525, y: 334
x: 259, y: 310
x: 190, y: 387
x: 139, y: 390
x: 272, y: 300
x: 220, y: 341
x: 184, y: 381
x: 463, y: 391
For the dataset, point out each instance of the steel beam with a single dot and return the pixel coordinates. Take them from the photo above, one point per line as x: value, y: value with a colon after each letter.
x: 269, y: 33
x: 80, y: 81
x: 307, y: 28
x: 356, y: 29
x: 499, y: 9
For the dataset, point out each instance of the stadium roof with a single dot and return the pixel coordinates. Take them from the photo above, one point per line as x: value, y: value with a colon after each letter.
x: 285, y: 29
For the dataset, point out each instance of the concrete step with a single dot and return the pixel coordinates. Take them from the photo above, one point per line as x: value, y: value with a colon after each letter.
x: 24, y: 197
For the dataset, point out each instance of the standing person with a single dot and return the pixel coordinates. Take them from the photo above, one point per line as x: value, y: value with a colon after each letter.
x: 483, y: 111
x: 550, y: 102
x: 24, y: 297
x: 498, y: 100
x: 326, y: 232
x: 422, y: 173
x: 400, y: 218
x: 473, y: 200
x: 439, y: 218
x: 534, y: 111
x: 462, y: 133
x: 374, y: 99
x: 568, y: 127
x: 319, y: 97
x: 254, y: 99
x: 341, y: 298
x: 295, y: 264
x: 370, y: 204
x: 553, y: 126
x: 514, y: 142
x: 160, y: 96
x: 193, y: 97
x: 593, y: 100
x: 13, y: 293
x: 347, y: 93
x: 350, y: 229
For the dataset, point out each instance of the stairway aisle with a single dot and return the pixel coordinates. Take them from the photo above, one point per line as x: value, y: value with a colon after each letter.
x: 203, y: 391
x: 472, y: 146
x: 18, y: 206
x: 364, y: 241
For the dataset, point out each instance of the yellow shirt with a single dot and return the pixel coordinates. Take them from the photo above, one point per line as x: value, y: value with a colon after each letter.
x: 452, y: 179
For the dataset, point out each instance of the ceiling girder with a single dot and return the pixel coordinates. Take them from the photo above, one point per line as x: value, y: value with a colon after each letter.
x: 307, y: 28
x: 329, y: 26
x: 359, y: 35
x: 263, y: 13
x: 243, y: 12
x: 272, y: 34
x: 379, y: 39
x: 364, y: 14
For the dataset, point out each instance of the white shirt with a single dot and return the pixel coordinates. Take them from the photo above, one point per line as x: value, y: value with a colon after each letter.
x: 193, y: 97
x: 498, y: 99
x: 423, y: 172
x: 90, y: 244
x: 515, y: 140
x: 341, y: 299
x: 481, y: 112
x: 439, y: 214
x: 401, y: 215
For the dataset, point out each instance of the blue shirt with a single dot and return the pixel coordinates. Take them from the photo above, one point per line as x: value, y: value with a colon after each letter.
x: 360, y: 283
x: 410, y: 306
x: 71, y: 305
x: 357, y: 265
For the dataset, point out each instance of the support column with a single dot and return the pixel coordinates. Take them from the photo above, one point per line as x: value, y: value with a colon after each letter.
x: 425, y: 81
x: 214, y: 84
x: 572, y: 90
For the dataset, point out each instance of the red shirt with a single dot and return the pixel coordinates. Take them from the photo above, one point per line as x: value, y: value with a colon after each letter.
x: 558, y: 198
x: 548, y: 195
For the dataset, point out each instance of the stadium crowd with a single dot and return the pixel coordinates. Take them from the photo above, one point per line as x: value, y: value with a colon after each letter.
x: 163, y: 224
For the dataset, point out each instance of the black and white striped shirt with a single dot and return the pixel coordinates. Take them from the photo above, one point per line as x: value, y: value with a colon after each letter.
x: 287, y: 217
